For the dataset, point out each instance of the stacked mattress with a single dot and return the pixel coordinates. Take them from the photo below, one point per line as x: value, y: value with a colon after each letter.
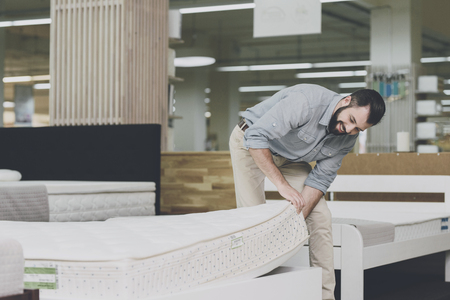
x: 95, y: 200
x: 143, y: 257
x: 406, y: 220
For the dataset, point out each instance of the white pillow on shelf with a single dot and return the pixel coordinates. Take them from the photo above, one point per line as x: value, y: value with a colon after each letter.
x: 10, y: 175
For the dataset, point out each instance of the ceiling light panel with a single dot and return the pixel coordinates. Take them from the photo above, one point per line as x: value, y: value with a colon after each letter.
x: 25, y: 22
x: 352, y: 85
x: 267, y: 88
x: 205, y: 9
x: 332, y: 74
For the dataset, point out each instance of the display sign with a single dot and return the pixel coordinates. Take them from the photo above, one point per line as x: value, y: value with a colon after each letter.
x: 286, y: 17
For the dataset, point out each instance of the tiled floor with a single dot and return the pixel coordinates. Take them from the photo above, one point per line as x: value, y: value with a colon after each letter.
x: 416, y: 279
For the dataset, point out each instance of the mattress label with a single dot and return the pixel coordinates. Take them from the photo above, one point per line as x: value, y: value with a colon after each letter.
x: 41, y: 275
x: 237, y: 240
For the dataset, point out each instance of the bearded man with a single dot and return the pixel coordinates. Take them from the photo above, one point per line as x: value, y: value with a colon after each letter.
x: 280, y: 136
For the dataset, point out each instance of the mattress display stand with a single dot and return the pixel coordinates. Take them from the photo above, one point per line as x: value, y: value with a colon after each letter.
x: 287, y: 283
x: 350, y: 255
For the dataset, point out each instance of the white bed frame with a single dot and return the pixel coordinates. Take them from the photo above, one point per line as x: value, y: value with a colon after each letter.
x: 287, y: 283
x: 352, y: 258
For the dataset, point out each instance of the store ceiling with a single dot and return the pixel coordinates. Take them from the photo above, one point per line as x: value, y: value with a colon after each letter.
x: 229, y: 35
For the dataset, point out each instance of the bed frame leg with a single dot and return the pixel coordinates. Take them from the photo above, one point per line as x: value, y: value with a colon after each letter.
x: 447, y: 266
x: 352, y: 268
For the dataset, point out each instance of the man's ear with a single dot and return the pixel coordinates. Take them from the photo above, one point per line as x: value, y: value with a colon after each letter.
x: 346, y: 101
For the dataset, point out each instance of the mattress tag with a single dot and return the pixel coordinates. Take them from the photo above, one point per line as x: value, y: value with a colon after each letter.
x: 237, y: 240
x: 41, y: 275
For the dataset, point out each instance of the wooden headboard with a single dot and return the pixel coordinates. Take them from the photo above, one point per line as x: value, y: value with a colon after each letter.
x: 93, y: 153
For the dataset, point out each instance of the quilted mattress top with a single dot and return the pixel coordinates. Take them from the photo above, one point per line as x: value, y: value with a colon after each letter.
x: 87, y: 187
x: 133, y: 237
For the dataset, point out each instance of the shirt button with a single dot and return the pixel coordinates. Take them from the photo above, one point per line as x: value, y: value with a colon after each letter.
x: 329, y: 153
x: 274, y: 124
x: 305, y: 139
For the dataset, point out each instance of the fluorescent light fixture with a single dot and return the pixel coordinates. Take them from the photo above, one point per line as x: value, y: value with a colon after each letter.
x: 233, y: 69
x: 447, y: 81
x: 332, y: 74
x: 193, y: 61
x: 445, y: 102
x: 25, y: 78
x: 340, y: 64
x: 17, y: 79
x: 447, y: 92
x: 446, y: 109
x: 25, y: 22
x: 351, y: 85
x: 41, y: 86
x: 425, y: 60
x: 280, y: 67
x: 9, y: 104
x: 204, y: 9
x: 337, y: 64
x: 267, y: 88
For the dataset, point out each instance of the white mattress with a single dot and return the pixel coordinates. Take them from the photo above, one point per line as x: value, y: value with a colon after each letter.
x: 95, y: 200
x: 141, y: 257
x: 11, y: 267
x: 411, y: 219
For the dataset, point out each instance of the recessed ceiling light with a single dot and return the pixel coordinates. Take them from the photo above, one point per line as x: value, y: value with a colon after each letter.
x: 193, y: 61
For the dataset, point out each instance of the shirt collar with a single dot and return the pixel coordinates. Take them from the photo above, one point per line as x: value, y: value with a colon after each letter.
x: 325, y: 120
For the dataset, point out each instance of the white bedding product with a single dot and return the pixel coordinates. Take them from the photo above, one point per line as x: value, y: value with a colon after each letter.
x: 411, y: 219
x: 11, y: 267
x: 426, y: 130
x: 9, y: 175
x: 427, y: 149
x: 140, y: 257
x: 72, y: 201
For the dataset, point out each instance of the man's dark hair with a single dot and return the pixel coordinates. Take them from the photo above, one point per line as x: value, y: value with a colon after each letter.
x: 374, y: 100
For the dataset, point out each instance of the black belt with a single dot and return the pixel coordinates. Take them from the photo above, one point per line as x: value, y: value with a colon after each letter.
x: 242, y: 125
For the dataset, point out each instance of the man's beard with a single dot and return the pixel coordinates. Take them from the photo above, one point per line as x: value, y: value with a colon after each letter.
x: 332, y: 126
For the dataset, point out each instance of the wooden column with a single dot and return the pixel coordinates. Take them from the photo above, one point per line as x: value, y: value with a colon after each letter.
x: 108, y: 62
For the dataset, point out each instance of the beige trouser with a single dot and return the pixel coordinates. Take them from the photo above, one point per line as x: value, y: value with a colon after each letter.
x: 249, y: 184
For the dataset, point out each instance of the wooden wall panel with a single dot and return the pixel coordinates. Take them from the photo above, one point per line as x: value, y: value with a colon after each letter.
x: 196, y: 182
x: 108, y: 62
x: 203, y: 181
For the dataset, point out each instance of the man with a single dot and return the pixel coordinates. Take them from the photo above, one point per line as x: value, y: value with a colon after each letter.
x: 280, y: 136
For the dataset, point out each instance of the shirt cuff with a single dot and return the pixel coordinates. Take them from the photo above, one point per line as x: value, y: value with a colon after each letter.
x: 256, y: 144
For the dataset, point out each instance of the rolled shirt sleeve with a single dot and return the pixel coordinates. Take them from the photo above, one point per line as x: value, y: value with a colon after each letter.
x: 325, y: 171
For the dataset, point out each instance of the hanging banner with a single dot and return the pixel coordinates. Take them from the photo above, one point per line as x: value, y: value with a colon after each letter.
x: 286, y: 17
